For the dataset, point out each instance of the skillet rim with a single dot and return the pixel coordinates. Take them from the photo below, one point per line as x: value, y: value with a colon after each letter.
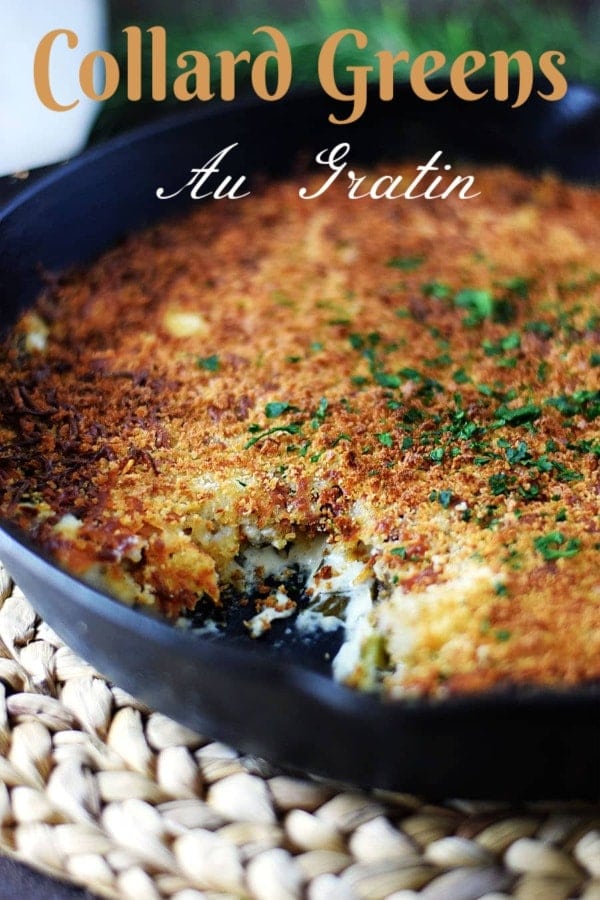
x: 321, y: 688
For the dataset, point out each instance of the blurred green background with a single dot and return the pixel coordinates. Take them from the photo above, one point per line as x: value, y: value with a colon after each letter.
x: 451, y: 26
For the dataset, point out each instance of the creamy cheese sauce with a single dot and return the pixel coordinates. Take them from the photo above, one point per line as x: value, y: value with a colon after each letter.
x: 339, y: 589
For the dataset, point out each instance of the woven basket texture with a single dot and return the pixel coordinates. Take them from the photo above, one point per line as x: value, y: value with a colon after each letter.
x: 97, y: 789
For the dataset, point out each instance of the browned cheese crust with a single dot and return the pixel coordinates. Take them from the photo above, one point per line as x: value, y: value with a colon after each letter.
x: 418, y: 380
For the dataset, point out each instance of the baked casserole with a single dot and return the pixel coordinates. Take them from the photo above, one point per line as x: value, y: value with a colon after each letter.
x: 393, y: 407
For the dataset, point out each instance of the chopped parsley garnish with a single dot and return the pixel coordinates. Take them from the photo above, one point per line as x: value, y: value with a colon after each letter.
x: 385, y: 438
x: 403, y: 553
x: 429, y: 388
x: 387, y: 380
x: 503, y: 634
x: 461, y: 377
x: 542, y: 371
x: 436, y: 289
x: 518, y: 415
x: 509, y: 362
x: 341, y: 437
x: 461, y: 427
x: 518, y: 285
x: 478, y: 303
x: 444, y: 359
x: 501, y: 483
x: 556, y: 546
x: 564, y: 473
x: 583, y: 403
x: 413, y: 416
x: 209, y: 363
x: 368, y: 346
x: 320, y: 413
x: 405, y: 263
x: 512, y: 341
x: 518, y: 454
x: 585, y: 447
x: 542, y: 329
x: 410, y: 374
x: 292, y: 428
x: 277, y: 408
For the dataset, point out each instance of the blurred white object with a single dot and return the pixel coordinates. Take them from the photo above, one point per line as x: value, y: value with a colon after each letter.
x: 30, y: 134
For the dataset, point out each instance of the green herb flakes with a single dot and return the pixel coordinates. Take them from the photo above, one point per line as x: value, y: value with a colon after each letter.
x: 518, y: 415
x: 277, y: 408
x: 542, y: 371
x: 403, y: 553
x: 583, y: 403
x: 320, y: 413
x: 209, y: 363
x: 556, y: 546
x: 461, y: 377
x: 542, y: 329
x: 292, y: 428
x: 518, y: 454
x: 478, y: 303
x: 387, y: 380
x: 436, y: 289
x: 340, y: 438
x: 512, y: 341
x: 501, y: 483
x: 405, y: 263
x: 518, y: 285
x: 445, y: 498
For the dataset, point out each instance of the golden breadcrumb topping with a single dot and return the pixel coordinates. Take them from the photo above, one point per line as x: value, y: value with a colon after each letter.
x: 416, y: 381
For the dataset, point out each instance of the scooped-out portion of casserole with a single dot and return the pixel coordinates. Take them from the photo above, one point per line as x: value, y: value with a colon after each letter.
x: 375, y: 412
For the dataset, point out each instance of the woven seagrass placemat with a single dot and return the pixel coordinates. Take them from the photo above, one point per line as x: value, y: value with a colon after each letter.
x: 97, y: 789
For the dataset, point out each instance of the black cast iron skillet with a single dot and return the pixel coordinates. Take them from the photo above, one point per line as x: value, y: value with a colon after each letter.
x: 275, y: 698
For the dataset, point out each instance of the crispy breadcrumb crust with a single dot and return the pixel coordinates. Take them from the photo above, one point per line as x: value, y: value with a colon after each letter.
x: 418, y: 380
